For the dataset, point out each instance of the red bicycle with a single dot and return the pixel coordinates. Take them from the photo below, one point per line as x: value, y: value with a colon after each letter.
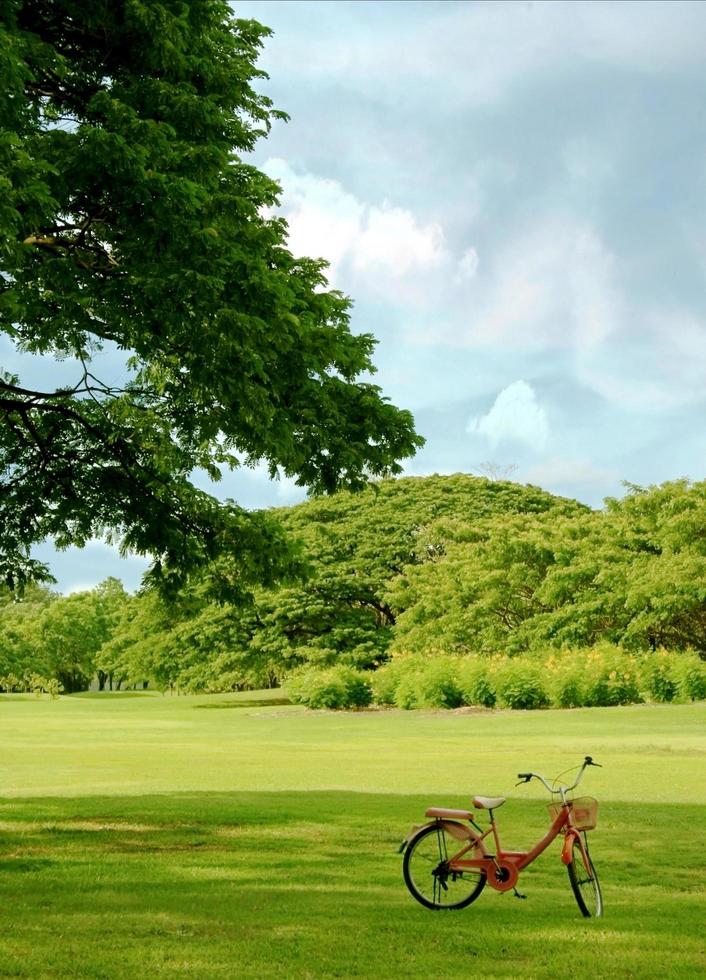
x: 447, y: 863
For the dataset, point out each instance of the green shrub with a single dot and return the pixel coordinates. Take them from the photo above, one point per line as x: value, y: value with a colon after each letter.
x: 387, y: 678
x: 604, y: 675
x: 476, y: 683
x: 335, y: 688
x: 612, y: 677
x: 419, y: 682
x: 10, y: 683
x: 437, y: 684
x: 565, y: 678
x: 657, y: 676
x: 406, y: 692
x: 31, y: 682
x: 690, y: 675
x: 519, y: 684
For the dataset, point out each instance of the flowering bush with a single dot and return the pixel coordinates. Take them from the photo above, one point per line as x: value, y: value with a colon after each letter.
x: 520, y: 683
x: 690, y: 675
x: 475, y: 681
x: 612, y: 677
x: 437, y: 685
x: 604, y: 675
x: 387, y: 680
x: 658, y: 676
x: 566, y: 679
x: 419, y: 682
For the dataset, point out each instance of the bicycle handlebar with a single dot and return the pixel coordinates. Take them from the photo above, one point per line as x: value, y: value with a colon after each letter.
x: 525, y: 777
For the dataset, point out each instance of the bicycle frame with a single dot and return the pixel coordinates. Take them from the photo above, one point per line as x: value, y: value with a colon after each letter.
x: 502, y: 869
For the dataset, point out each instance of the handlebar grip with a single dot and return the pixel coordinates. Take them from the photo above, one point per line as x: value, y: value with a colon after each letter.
x: 524, y: 776
x: 589, y: 762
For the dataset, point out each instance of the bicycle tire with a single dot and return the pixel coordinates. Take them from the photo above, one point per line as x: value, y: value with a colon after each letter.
x: 585, y: 885
x: 429, y: 881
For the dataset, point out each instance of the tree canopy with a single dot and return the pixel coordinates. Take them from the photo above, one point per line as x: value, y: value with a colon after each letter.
x: 631, y: 574
x: 132, y: 222
x: 359, y: 549
x: 434, y: 567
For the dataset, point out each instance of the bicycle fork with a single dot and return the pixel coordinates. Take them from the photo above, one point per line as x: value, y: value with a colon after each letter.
x: 567, y: 850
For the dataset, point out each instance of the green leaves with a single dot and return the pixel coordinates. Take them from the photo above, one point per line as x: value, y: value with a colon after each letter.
x: 363, y: 558
x: 61, y: 637
x: 130, y: 221
x: 633, y: 574
x: 434, y: 567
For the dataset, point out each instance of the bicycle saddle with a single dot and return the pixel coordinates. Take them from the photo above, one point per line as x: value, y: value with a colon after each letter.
x: 488, y: 802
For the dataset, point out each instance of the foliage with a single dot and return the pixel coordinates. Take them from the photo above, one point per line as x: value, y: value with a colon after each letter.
x: 458, y: 570
x: 690, y: 674
x: 336, y: 687
x: 192, y: 645
x: 358, y: 544
x: 477, y: 687
x: 30, y: 682
x: 602, y: 676
x: 632, y: 574
x: 131, y: 224
x: 19, y: 628
x: 57, y: 639
x: 520, y: 684
x: 658, y: 676
x: 419, y: 682
x: 354, y: 545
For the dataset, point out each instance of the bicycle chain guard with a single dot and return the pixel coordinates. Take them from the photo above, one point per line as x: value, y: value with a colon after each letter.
x: 502, y: 876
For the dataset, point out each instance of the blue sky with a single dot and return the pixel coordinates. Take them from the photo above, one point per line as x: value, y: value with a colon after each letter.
x: 514, y: 194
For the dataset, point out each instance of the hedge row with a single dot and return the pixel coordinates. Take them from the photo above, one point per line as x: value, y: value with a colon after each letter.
x: 30, y: 682
x: 603, y: 676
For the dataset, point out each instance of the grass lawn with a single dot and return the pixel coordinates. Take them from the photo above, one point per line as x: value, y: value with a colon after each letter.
x: 234, y: 836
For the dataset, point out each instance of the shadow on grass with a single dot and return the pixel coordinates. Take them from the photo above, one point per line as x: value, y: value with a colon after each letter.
x: 108, y: 695
x: 309, y: 884
x: 250, y: 703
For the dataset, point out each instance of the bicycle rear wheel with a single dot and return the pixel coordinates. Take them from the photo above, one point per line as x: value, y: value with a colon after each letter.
x: 584, y: 882
x: 427, y: 873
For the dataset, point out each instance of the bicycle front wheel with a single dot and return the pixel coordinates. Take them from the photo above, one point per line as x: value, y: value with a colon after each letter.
x: 584, y: 882
x: 427, y: 873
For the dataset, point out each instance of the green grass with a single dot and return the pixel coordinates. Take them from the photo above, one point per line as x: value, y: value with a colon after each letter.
x: 234, y: 836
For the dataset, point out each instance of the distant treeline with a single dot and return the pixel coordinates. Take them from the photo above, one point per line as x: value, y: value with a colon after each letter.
x: 428, y: 566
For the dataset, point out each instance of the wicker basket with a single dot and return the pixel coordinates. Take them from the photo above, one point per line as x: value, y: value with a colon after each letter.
x: 584, y: 812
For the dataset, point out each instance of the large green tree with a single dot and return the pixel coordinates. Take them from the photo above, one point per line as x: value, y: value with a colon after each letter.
x: 369, y: 555
x: 633, y: 574
x: 59, y: 637
x: 131, y: 221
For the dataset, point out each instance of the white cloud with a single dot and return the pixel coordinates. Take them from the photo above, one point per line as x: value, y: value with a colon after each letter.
x: 374, y: 241
x: 283, y: 489
x: 391, y: 239
x: 516, y: 416
x: 553, y: 286
x: 587, y: 161
x: 556, y: 288
x: 324, y: 220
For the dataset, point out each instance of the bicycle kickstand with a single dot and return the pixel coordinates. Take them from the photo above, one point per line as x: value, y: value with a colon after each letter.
x: 518, y: 894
